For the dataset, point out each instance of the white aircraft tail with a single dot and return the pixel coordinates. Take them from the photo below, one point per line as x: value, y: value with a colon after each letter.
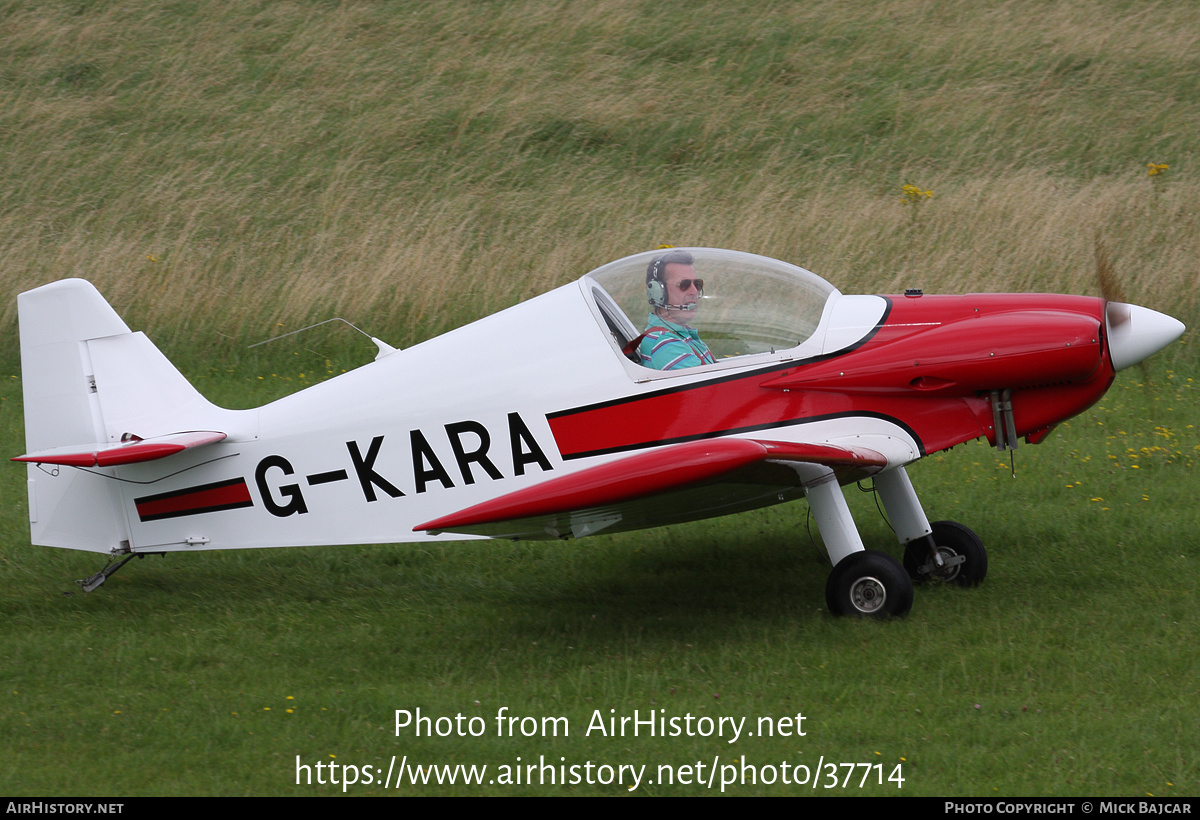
x: 89, y: 383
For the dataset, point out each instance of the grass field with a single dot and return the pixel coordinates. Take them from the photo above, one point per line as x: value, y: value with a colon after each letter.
x: 228, y: 172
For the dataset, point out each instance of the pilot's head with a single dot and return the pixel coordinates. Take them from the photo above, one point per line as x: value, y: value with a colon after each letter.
x: 672, y: 286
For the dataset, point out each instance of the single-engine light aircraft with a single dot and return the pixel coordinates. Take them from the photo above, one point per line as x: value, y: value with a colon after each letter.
x: 753, y: 382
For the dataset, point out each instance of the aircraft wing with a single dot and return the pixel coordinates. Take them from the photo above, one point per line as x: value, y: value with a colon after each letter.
x: 670, y: 484
x: 112, y: 454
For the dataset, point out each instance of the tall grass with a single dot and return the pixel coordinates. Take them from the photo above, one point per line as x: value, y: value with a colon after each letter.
x: 222, y: 171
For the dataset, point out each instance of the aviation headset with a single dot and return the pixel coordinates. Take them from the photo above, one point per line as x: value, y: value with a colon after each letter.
x: 656, y: 288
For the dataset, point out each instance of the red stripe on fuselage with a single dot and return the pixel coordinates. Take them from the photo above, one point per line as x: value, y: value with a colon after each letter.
x: 223, y: 495
x: 739, y: 406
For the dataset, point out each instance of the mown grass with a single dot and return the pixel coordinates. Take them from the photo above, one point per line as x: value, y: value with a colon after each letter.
x: 226, y: 172
x: 1069, y: 672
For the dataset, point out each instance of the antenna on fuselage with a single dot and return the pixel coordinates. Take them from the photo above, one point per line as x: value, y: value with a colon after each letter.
x: 384, y: 348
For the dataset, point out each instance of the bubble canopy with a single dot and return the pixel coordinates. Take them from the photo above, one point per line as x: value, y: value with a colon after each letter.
x: 751, y: 304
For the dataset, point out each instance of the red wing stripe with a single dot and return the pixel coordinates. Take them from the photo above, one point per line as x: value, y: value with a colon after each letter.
x: 645, y: 474
x: 632, y: 476
x: 223, y: 495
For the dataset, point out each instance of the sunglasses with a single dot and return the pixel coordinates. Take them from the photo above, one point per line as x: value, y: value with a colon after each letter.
x: 685, y: 285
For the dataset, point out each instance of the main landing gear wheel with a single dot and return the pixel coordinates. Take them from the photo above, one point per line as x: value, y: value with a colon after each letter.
x: 964, y: 560
x: 869, y: 584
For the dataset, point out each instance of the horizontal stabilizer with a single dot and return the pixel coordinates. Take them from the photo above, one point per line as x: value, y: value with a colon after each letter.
x: 125, y: 452
x: 634, y: 477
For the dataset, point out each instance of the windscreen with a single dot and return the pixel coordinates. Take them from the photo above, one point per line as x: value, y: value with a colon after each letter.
x: 749, y: 304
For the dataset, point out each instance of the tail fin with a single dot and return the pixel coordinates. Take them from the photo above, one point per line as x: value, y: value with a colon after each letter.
x: 59, y: 386
x: 89, y: 381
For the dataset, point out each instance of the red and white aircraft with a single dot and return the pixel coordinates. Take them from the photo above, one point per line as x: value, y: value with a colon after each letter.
x: 542, y: 422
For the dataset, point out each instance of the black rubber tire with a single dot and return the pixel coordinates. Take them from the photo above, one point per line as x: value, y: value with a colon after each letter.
x: 869, y: 584
x: 952, y: 540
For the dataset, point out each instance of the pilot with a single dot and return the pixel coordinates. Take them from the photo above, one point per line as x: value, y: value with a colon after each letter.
x: 673, y: 290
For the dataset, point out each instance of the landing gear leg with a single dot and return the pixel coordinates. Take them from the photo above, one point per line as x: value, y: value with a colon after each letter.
x: 943, y: 551
x: 829, y: 508
x: 864, y: 583
x: 902, y: 505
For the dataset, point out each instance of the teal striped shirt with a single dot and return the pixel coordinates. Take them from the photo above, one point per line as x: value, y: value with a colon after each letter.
x: 668, y: 346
